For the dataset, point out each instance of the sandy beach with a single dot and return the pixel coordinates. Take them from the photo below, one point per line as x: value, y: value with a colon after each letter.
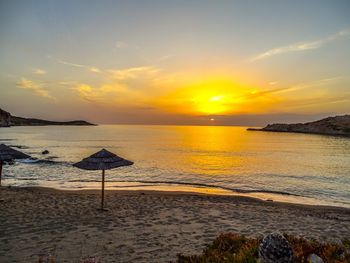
x: 145, y: 226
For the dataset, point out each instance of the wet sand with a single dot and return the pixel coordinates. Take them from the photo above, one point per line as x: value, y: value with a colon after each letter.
x: 145, y: 226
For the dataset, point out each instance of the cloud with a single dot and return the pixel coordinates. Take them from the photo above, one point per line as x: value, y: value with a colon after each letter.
x: 305, y: 85
x: 301, y: 46
x: 89, y: 68
x: 34, y: 87
x: 117, y: 74
x: 129, y: 83
x: 315, y: 83
x: 87, y: 93
x: 120, y: 44
x: 94, y: 69
x: 106, y: 94
x: 39, y: 71
x: 132, y: 73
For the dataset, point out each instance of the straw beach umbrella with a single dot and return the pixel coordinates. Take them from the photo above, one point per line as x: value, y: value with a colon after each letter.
x: 9, y: 154
x: 102, y: 160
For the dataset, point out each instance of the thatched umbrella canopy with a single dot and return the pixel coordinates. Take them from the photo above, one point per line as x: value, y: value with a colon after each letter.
x: 9, y: 154
x: 102, y: 160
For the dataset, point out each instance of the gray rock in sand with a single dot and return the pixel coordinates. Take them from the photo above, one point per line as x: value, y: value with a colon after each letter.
x: 275, y: 248
x: 313, y: 258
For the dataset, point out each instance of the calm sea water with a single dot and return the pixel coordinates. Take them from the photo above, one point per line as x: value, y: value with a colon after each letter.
x: 226, y: 160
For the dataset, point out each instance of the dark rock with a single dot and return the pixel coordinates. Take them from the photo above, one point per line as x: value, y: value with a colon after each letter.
x: 7, y: 120
x: 45, y: 152
x: 338, y: 125
x: 275, y: 248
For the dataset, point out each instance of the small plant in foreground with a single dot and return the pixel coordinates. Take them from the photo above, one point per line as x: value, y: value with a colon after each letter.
x: 236, y: 248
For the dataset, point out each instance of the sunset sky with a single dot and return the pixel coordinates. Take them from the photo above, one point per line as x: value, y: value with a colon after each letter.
x: 175, y: 62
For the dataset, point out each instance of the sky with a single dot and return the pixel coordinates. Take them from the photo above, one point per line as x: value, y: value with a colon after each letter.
x: 175, y: 62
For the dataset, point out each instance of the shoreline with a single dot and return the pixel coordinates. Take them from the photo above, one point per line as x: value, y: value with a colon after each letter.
x: 146, y: 226
x: 234, y: 196
x: 178, y: 187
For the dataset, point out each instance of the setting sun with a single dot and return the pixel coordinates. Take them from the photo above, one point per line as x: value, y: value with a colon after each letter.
x: 215, y: 95
x: 211, y: 104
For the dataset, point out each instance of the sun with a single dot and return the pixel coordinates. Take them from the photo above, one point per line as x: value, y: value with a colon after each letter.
x: 216, y: 98
x: 208, y: 97
x: 207, y: 103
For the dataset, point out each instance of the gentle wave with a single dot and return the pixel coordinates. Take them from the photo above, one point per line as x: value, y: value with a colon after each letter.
x: 44, y: 161
x: 236, y: 190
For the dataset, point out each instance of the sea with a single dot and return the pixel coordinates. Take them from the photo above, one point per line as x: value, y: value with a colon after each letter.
x: 224, y: 160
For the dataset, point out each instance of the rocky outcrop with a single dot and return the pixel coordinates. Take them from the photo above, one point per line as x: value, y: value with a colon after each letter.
x: 339, y: 125
x: 7, y: 120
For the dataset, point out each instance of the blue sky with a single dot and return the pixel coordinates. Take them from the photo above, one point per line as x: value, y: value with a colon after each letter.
x: 180, y: 62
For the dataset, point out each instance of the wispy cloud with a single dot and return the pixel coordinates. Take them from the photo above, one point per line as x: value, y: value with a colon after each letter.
x: 37, y: 88
x: 299, y: 86
x: 89, y: 68
x: 132, y: 73
x: 107, y: 94
x: 116, y: 74
x: 39, y: 71
x: 86, y: 92
x: 301, y: 46
x: 315, y: 83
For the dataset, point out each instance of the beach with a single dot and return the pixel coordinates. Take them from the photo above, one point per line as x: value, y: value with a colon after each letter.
x: 145, y: 226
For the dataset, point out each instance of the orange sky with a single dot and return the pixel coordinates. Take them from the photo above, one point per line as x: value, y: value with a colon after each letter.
x: 165, y: 62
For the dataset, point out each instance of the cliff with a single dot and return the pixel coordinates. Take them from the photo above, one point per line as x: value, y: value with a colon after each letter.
x: 339, y: 125
x: 7, y: 120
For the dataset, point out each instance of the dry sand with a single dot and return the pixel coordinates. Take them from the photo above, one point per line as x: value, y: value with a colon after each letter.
x: 145, y: 226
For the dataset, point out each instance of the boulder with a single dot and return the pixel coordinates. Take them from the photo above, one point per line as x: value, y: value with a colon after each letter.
x: 313, y: 258
x: 275, y: 248
x: 45, y: 152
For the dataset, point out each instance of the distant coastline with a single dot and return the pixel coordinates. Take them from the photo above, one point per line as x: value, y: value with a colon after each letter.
x: 338, y: 125
x: 8, y: 120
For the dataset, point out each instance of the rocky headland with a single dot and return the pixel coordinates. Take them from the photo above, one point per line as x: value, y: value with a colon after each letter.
x: 8, y: 120
x: 338, y: 125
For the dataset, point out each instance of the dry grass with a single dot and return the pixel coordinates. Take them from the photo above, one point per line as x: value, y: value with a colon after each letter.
x: 236, y: 248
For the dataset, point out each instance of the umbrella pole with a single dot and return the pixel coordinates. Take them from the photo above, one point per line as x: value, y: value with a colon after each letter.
x: 103, y: 189
x: 0, y: 171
